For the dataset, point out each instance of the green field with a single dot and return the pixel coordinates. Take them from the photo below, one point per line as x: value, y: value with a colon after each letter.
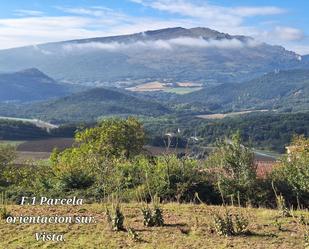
x: 186, y: 226
x: 182, y: 90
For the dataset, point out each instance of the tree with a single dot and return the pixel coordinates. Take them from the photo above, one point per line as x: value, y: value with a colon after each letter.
x: 232, y: 165
x: 114, y: 138
x: 294, y: 167
x: 96, y: 152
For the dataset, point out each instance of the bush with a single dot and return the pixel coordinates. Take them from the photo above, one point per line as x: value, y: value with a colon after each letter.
x: 4, y: 213
x: 115, y: 218
x: 229, y: 224
x: 153, y: 217
x: 233, y: 170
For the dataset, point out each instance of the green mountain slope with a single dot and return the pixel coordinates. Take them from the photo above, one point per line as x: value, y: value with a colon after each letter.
x: 278, y: 90
x: 29, y: 85
x: 86, y: 107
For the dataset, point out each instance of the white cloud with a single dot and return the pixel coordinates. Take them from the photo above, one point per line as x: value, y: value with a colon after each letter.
x: 35, y: 30
x: 300, y: 48
x: 23, y: 12
x: 257, y: 11
x: 159, y: 44
x: 288, y: 33
x: 214, y: 16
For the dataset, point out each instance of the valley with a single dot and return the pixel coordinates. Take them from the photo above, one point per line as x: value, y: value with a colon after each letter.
x: 187, y: 137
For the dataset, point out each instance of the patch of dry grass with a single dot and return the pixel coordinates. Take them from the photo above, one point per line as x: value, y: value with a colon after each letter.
x: 187, y: 227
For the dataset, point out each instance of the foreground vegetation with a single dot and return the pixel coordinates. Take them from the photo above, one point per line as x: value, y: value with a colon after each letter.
x: 109, y: 161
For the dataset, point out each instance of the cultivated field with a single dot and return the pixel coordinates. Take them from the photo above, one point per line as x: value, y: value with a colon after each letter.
x: 38, y: 149
x: 45, y: 145
x: 187, y: 226
x: 178, y: 88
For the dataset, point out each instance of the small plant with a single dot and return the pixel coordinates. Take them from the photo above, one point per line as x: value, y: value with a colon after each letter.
x: 153, y: 217
x: 147, y: 217
x: 302, y: 220
x: 133, y: 235
x: 4, y: 212
x: 281, y: 205
x: 157, y: 217
x: 241, y: 223
x: 306, y: 240
x: 278, y: 224
x: 283, y: 210
x: 230, y: 224
x: 220, y: 225
x: 115, y: 217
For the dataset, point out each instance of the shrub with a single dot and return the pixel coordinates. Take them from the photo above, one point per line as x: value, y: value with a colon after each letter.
x: 153, y: 217
x: 4, y: 213
x: 115, y: 218
x: 158, y: 217
x: 229, y: 224
x: 241, y: 223
x: 147, y: 217
x: 133, y: 235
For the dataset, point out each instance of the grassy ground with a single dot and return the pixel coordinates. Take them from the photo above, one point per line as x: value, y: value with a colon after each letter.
x: 187, y: 226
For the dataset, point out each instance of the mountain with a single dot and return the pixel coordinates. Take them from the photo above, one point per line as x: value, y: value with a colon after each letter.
x: 86, y: 106
x: 29, y: 85
x: 174, y: 54
x: 283, y: 90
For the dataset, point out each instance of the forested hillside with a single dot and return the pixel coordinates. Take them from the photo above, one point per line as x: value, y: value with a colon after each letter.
x: 30, y: 85
x: 283, y: 90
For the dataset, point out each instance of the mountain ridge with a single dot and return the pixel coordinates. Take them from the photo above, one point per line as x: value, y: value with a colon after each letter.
x: 199, y: 55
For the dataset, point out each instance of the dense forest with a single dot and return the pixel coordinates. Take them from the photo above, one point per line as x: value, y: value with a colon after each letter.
x: 262, y: 130
x: 270, y: 130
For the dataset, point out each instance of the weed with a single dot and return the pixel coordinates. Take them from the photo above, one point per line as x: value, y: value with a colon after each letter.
x: 157, y: 217
x: 230, y: 224
x: 133, y: 235
x: 153, y: 217
x: 241, y: 223
x: 4, y: 213
x: 278, y: 224
x: 306, y: 240
x: 147, y: 217
x: 115, y: 216
x: 281, y: 205
x: 302, y: 220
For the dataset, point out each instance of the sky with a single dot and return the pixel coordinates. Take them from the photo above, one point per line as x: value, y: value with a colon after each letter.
x: 30, y: 22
